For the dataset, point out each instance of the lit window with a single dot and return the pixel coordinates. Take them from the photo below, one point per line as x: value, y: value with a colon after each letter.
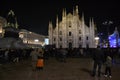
x: 36, y: 40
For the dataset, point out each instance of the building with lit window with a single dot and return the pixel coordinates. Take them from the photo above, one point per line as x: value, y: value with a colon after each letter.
x: 13, y: 37
x: 2, y: 24
x: 32, y: 39
x: 72, y: 32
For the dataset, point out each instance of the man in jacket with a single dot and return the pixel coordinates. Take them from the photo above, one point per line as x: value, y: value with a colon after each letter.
x: 34, y: 57
x: 98, y: 59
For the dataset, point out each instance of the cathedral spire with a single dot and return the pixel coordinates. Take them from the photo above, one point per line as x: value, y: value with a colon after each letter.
x: 57, y: 21
x: 90, y: 23
x: 83, y: 31
x: 50, y: 24
x: 77, y: 12
x: 73, y: 11
x: 65, y: 12
x: 93, y: 24
x: 90, y: 32
x: 83, y: 18
x: 50, y: 31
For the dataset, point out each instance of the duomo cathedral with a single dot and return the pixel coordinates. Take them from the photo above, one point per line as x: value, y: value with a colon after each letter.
x: 72, y: 32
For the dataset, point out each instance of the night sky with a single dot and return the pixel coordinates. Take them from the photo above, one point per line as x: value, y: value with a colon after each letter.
x: 34, y: 15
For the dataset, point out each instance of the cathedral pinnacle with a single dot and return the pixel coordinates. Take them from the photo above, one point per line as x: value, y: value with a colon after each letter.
x: 57, y: 21
x: 83, y: 17
x: 63, y: 13
x: 77, y: 9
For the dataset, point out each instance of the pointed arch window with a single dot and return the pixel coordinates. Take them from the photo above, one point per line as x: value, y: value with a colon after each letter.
x: 60, y: 39
x: 54, y: 39
x: 79, y: 31
x: 69, y: 24
x: 79, y: 38
x: 87, y: 38
x: 70, y: 33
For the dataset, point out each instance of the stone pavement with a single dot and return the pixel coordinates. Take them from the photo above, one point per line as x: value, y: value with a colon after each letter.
x: 73, y: 69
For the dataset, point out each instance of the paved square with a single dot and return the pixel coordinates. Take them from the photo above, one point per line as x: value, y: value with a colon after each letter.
x: 73, y: 69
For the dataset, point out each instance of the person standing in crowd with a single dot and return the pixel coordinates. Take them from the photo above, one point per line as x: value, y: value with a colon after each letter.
x: 98, y: 58
x: 34, y: 56
x: 41, y: 53
x: 40, y: 61
x: 16, y: 55
x: 64, y: 54
x: 108, y: 65
x: 6, y: 55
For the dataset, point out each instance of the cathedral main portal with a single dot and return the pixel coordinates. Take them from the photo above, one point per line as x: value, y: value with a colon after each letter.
x: 70, y: 45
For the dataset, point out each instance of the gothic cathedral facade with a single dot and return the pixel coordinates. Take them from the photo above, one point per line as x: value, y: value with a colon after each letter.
x: 72, y: 32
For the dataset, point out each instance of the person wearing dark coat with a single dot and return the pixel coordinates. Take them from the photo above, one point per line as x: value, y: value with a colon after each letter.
x: 108, y: 65
x: 98, y: 59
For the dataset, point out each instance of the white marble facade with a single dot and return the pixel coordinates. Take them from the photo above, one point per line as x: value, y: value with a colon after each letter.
x: 72, y: 32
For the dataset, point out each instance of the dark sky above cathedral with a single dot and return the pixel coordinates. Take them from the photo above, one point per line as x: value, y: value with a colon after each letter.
x: 34, y: 15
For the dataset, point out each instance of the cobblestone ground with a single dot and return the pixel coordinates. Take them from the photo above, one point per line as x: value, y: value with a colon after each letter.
x: 73, y: 69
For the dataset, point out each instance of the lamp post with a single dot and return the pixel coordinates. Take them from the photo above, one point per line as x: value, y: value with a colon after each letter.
x: 108, y: 23
x: 97, y: 41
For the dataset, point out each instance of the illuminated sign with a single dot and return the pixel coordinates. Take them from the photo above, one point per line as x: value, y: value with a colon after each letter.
x: 46, y: 41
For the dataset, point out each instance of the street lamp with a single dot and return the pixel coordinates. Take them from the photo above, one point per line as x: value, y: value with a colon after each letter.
x: 97, y: 41
x: 108, y: 23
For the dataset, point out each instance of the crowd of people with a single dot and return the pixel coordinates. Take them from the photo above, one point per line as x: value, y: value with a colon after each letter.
x: 13, y: 55
x: 102, y: 58
x: 38, y: 55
